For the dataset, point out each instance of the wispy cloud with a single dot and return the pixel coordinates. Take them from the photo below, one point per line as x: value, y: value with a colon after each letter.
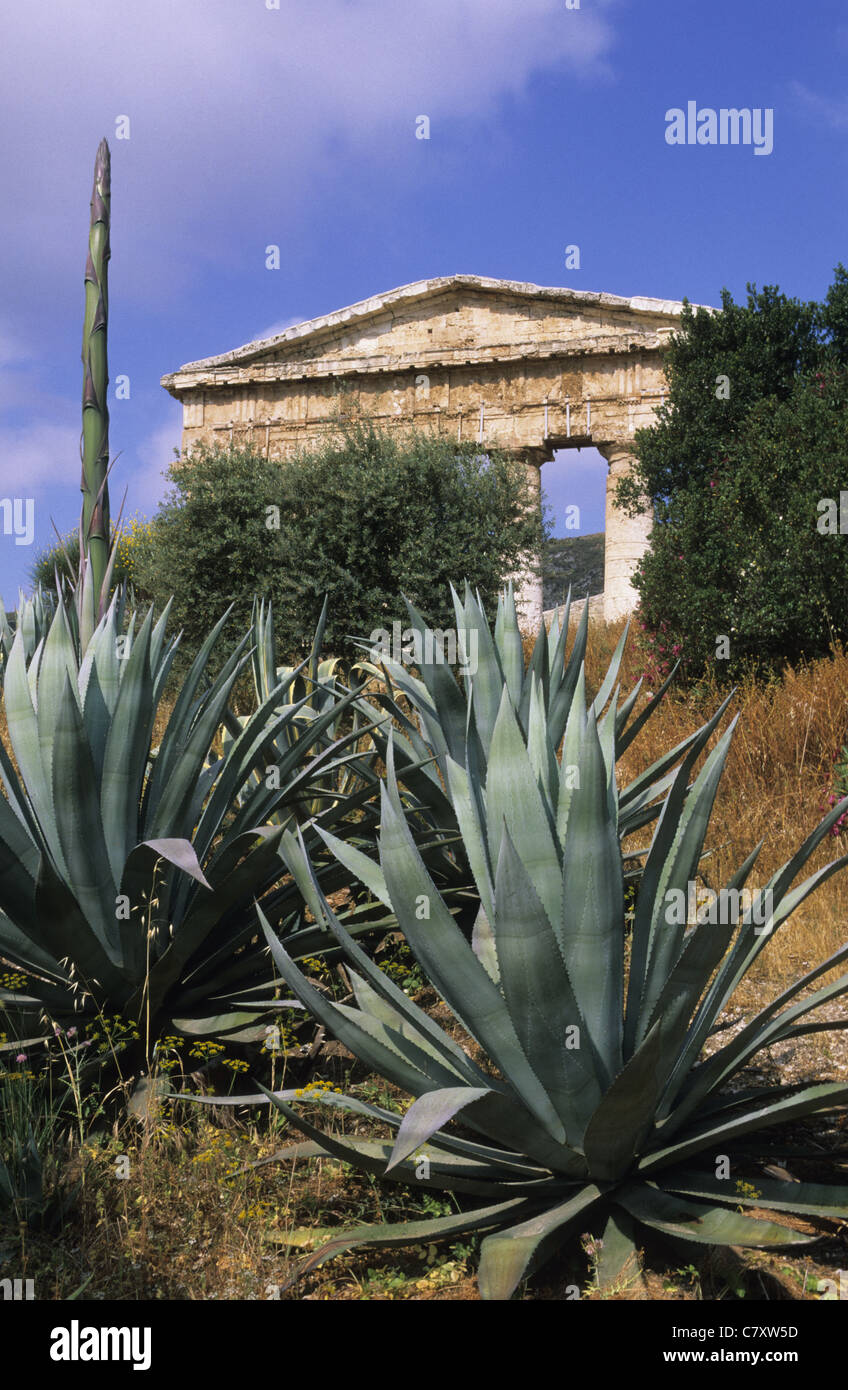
x: 275, y: 329
x: 828, y: 110
x: 147, y: 484
x: 35, y: 456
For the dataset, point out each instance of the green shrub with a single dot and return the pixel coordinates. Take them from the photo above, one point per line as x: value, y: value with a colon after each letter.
x: 362, y: 519
x: 135, y: 538
x: 742, y: 568
x: 752, y: 438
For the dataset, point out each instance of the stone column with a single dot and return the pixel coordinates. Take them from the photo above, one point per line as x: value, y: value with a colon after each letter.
x: 627, y: 538
x: 528, y: 587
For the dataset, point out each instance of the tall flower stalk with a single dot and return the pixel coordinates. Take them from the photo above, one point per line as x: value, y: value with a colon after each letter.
x: 94, y: 446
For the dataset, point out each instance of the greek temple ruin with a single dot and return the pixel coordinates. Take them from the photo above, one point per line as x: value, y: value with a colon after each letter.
x: 525, y: 368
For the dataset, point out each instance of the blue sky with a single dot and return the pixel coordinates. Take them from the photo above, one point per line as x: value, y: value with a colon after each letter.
x: 296, y: 126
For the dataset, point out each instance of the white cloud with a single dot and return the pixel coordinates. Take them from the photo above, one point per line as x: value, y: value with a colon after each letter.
x: 35, y: 456
x: 238, y: 114
x: 831, y: 112
x: 275, y: 329
x: 146, y: 484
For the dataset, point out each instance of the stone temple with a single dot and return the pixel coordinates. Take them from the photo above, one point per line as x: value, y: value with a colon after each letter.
x: 526, y: 368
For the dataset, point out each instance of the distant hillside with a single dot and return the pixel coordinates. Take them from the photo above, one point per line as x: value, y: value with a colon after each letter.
x: 578, y: 561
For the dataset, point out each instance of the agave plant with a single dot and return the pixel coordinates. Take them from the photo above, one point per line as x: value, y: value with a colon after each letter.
x: 31, y: 618
x: 598, y: 1108
x: 311, y: 690
x: 129, y: 872
x: 455, y: 721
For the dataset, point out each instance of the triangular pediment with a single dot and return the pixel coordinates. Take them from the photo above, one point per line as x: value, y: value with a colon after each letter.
x: 451, y: 320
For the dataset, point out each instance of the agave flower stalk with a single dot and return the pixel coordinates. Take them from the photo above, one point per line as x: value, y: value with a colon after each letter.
x: 598, y: 1109
x: 95, y: 411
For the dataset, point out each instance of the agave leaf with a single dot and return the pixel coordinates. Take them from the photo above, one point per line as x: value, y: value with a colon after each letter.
x: 538, y: 669
x: 540, y: 998
x: 655, y: 778
x: 811, y: 1099
x: 359, y: 864
x: 650, y: 905
x: 125, y: 753
x: 451, y: 1171
x: 412, y: 1233
x: 451, y: 964
x: 619, y: 1259
x: 618, y: 1127
x: 372, y: 1003
x: 179, y: 723
x: 20, y: 948
x: 178, y: 791
x: 748, y: 945
x: 611, y: 674
x: 379, y: 1047
x: 472, y: 828
x: 540, y: 751
x: 513, y: 800
x: 61, y: 921
x: 627, y: 736
x: 179, y: 852
x: 429, y: 1113
x: 510, y: 646
x: 592, y: 919
x: 759, y: 1033
x: 557, y: 640
x: 444, y: 693
x: 483, y: 946
x: 804, y: 1198
x: 666, y: 939
x: 395, y: 998
x: 511, y: 1255
x: 23, y: 733
x: 488, y: 681
x: 78, y: 820
x: 563, y: 696
x: 569, y: 765
x: 691, y: 1220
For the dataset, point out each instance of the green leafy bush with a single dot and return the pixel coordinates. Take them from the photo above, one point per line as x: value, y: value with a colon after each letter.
x: 746, y: 568
x: 134, y: 539
x: 366, y: 518
x: 752, y: 438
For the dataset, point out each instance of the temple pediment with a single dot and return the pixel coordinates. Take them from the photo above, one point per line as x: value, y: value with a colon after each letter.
x: 450, y: 321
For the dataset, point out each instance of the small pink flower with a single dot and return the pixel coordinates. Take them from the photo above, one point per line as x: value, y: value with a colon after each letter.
x: 72, y: 1032
x: 21, y: 1057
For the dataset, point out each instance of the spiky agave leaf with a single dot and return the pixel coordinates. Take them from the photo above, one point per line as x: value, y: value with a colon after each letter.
x: 596, y: 1110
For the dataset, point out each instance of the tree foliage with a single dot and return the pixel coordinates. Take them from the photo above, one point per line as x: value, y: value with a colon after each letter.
x: 752, y: 438
x: 367, y: 517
